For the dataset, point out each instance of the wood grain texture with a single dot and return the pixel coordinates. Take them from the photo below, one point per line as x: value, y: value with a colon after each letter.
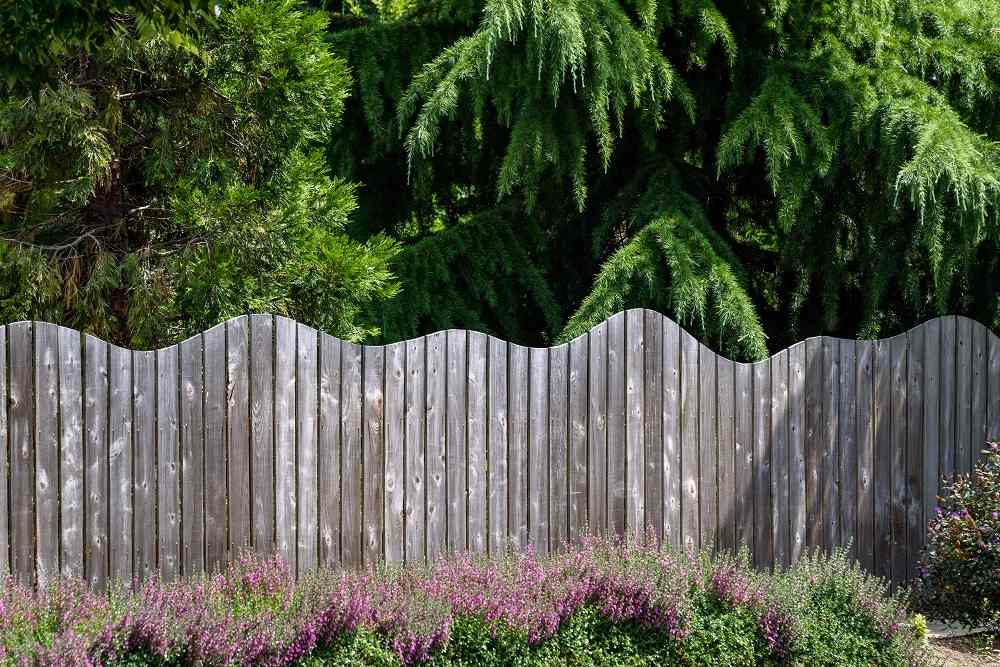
x: 22, y: 453
x: 437, y: 454
x: 744, y: 474
x: 238, y: 433
x: 690, y: 523
x: 578, y: 358
x: 726, y: 466
x: 352, y: 399
x: 558, y: 445
x: 830, y: 454
x: 517, y: 446
x: 847, y: 436
x: 652, y: 454
x: 980, y: 387
x: 477, y: 421
x: 330, y: 433
x: 865, y: 383
x: 914, y: 425
x: 307, y: 448
x: 992, y: 383
x: 672, y: 433
x: 373, y: 501
x: 46, y: 453
x: 192, y: 415
x: 796, y: 415
x: 635, y: 386
x: 597, y: 429
x: 120, y: 464
x: 813, y: 441
x: 763, y: 545
x: 415, y: 466
x: 144, y: 561
x: 285, y: 496
x: 215, y: 485
x: 497, y: 446
x: 71, y: 457
x: 898, y: 455
x: 617, y: 423
x: 396, y: 476
x: 964, y: 381
x: 262, y: 432
x: 457, y: 443
x: 5, y: 461
x: 168, y: 468
x: 780, y: 477
x: 538, y: 449
x: 948, y: 411
x: 883, y: 459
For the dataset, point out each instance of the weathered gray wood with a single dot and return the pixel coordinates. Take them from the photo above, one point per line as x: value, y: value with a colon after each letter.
x: 262, y: 431
x: 144, y: 461
x: 285, y: 496
x: 671, y: 433
x: 830, y: 505
x: 307, y: 447
x: 71, y: 445
x: 708, y: 448
x: 456, y: 440
x: 634, y: 421
x: 993, y: 398
x: 415, y: 467
x: 848, y: 433
x: 330, y: 450
x: 517, y: 445
x: 168, y: 487
x: 374, y: 455
x: 616, y: 424
x: 690, y: 526
x: 763, y: 546
x: 865, y: 383
x: 597, y: 429
x: 796, y: 451
x: 120, y: 463
x: 814, y: 441
x: 192, y: 456
x: 216, y: 541
x: 436, y: 455
x: 46, y: 452
x: 780, y: 478
x: 497, y: 446
x: 558, y: 445
x: 743, y: 475
x: 914, y: 425
x: 538, y: 449
x: 980, y: 388
x: 22, y: 452
x: 963, y: 396
x: 578, y: 352
x: 352, y: 400
x: 4, y: 462
x: 652, y: 411
x: 949, y: 406
x: 238, y: 433
x: 397, y: 411
x: 726, y: 379
x: 897, y: 459
x: 884, y: 391
x: 477, y: 418
x: 932, y: 419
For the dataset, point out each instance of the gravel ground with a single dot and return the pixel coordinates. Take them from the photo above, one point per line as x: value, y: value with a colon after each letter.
x: 962, y: 652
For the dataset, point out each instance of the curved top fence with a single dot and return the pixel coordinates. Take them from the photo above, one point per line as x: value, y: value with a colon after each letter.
x: 263, y: 433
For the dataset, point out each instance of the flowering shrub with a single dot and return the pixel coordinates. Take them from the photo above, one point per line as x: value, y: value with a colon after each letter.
x: 601, y: 603
x: 959, y: 572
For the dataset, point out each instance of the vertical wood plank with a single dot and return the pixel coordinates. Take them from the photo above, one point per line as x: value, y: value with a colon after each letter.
x: 538, y: 450
x: 4, y: 460
x: 238, y: 432
x: 193, y: 457
x: 671, y: 433
x: 949, y: 406
x: 848, y: 421
x: 652, y: 385
x: 457, y: 383
x: 980, y: 377
x: 578, y: 354
x: 397, y: 409
x: 635, y: 420
x: 477, y: 417
x: 307, y: 448
x: 329, y: 451
x: 708, y: 448
x: 916, y: 354
x: 120, y: 463
x: 437, y: 453
x: 597, y: 429
x: 144, y: 461
x: 46, y: 452
x: 993, y: 382
x: 883, y: 458
x: 830, y: 505
x: 898, y: 455
x: 415, y: 491
x: 865, y: 383
x: 763, y: 547
x: 796, y: 450
x: 22, y: 452
x: 814, y: 442
x: 262, y: 432
x: 168, y: 507
x: 517, y: 444
x: 744, y: 474
x: 726, y: 372
x: 71, y: 444
x: 374, y: 453
x: 780, y: 477
x: 964, y: 380
x: 690, y: 526
x: 558, y: 445
x: 352, y: 399
x: 285, y: 465
x: 497, y: 446
x: 616, y: 423
x: 215, y: 451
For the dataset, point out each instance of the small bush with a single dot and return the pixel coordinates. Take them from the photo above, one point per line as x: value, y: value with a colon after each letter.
x: 606, y: 602
x: 959, y: 572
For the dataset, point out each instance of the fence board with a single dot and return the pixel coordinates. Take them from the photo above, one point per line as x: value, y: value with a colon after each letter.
x: 831, y: 446
x: 22, y: 452
x: 397, y: 410
x: 436, y: 456
x: 120, y: 463
x: 238, y: 432
x: 307, y: 448
x: 457, y: 442
x: 813, y: 441
x: 671, y: 433
x: 558, y: 445
x: 865, y: 383
x: 352, y: 399
x: 329, y: 450
x: 144, y: 461
x: 726, y: 372
x: 373, y: 455
x: 415, y: 466
x: 796, y: 450
x: 215, y: 449
x: 931, y: 419
x: 914, y: 447
x: 848, y: 423
x: 964, y: 374
x: 690, y: 526
x: 497, y: 446
x: 4, y: 461
x: 192, y: 409
x: 284, y: 440
x: 168, y: 489
x: 262, y: 432
x: 517, y: 444
x: 477, y: 417
x: 708, y: 448
x: 578, y: 350
x: 897, y: 457
x: 46, y: 452
x: 949, y: 406
x: 763, y: 546
x: 652, y: 483
x: 616, y: 424
x: 597, y: 429
x: 993, y: 383
x: 538, y: 449
x: 780, y: 537
x: 883, y: 459
x: 634, y: 421
x: 980, y: 377
x: 744, y: 475
x: 71, y: 445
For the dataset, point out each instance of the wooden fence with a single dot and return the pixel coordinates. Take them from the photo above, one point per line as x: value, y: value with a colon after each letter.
x: 265, y: 433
